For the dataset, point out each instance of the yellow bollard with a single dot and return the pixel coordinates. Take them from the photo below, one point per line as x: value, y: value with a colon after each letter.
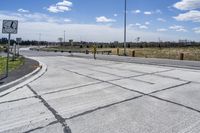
x: 133, y: 53
x: 94, y: 51
x: 181, y: 56
x: 118, y: 51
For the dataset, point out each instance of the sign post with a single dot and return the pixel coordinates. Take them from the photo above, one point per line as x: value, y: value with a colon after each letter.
x: 14, y: 51
x: 71, y: 45
x: 8, y: 50
x: 95, y: 51
x: 18, y: 40
x: 9, y: 27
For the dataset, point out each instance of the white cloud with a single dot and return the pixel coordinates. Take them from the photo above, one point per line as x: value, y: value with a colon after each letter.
x: 143, y: 27
x: 87, y: 32
x: 193, y: 15
x: 31, y: 17
x: 64, y: 3
x: 60, y: 7
x: 187, y: 4
x: 51, y: 28
x: 11, y: 16
x: 158, y: 11
x: 161, y: 30
x: 31, y: 24
x: 56, y: 9
x: 136, y: 11
x: 131, y: 25
x: 197, y: 30
x: 161, y: 19
x: 22, y: 10
x: 147, y: 23
x: 147, y: 13
x: 103, y: 19
x: 137, y: 24
x: 178, y: 28
x: 67, y: 20
x: 115, y: 15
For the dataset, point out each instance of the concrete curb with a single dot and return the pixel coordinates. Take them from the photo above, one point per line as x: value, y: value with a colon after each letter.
x: 24, y: 80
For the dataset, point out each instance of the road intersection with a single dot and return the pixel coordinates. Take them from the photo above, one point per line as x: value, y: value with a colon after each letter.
x: 81, y: 95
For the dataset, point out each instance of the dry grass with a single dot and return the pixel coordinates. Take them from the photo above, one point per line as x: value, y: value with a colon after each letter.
x: 190, y: 53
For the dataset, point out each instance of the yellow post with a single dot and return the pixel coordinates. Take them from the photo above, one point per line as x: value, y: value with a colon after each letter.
x: 95, y: 51
x: 181, y: 56
x: 133, y: 53
x: 118, y: 51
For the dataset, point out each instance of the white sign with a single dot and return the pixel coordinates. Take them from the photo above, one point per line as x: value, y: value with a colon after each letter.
x: 18, y: 40
x: 10, y: 27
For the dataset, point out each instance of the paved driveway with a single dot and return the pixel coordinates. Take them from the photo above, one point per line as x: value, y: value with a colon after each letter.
x: 95, y: 96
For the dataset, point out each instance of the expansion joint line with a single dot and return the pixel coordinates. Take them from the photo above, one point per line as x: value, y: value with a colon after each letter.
x: 148, y: 94
x: 58, y: 117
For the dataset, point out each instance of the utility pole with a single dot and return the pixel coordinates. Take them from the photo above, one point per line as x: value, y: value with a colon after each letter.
x: 39, y: 41
x: 125, y: 13
x: 64, y: 37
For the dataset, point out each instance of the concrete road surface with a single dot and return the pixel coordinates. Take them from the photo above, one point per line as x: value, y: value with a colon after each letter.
x: 79, y: 95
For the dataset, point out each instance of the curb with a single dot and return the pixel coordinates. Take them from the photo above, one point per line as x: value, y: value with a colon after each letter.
x: 24, y: 80
x: 129, y: 60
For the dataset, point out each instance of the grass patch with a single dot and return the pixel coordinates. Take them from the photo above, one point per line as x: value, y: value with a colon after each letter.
x: 190, y: 53
x: 2, y: 48
x: 12, y: 64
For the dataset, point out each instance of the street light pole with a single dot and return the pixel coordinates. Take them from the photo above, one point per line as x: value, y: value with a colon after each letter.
x: 125, y: 13
x: 39, y: 41
x: 64, y: 37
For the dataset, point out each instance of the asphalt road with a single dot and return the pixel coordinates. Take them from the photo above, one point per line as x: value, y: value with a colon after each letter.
x: 82, y: 95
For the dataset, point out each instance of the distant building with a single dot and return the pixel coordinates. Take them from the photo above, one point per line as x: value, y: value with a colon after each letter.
x: 185, y: 42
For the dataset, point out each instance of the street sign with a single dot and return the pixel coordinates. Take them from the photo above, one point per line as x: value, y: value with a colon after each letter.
x: 10, y: 27
x: 18, y: 40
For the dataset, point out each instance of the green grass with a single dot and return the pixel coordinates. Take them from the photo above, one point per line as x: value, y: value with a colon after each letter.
x: 12, y: 64
x: 2, y: 47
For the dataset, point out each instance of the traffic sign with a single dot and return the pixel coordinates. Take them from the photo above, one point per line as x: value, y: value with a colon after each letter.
x: 18, y: 40
x: 10, y: 27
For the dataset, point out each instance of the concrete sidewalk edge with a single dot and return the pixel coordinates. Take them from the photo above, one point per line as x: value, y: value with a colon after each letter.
x: 24, y: 80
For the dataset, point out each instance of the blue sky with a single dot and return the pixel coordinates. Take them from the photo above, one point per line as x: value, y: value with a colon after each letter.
x: 102, y: 20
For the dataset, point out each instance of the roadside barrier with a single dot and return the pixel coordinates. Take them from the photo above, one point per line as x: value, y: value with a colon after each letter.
x: 181, y: 56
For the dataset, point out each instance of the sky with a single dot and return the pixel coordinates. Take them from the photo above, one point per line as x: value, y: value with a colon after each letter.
x: 103, y: 20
